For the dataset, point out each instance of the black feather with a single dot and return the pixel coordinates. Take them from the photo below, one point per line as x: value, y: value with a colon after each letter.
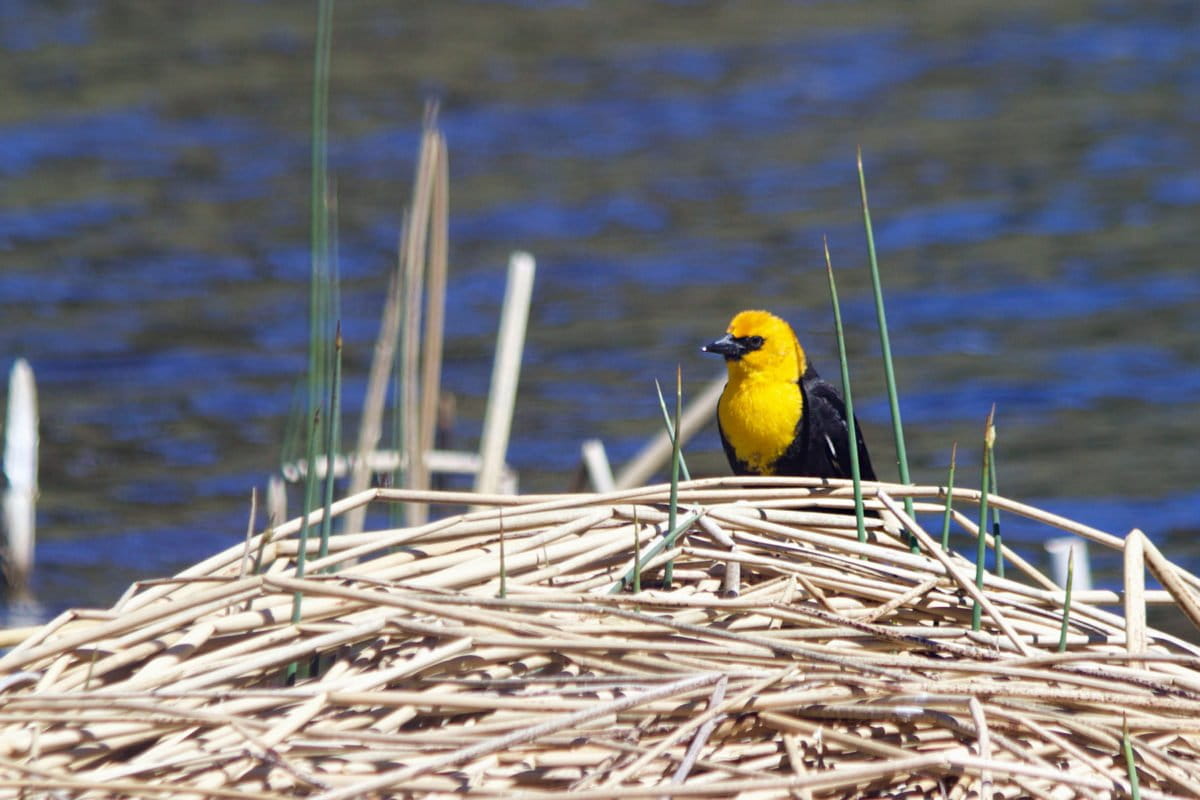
x: 822, y: 422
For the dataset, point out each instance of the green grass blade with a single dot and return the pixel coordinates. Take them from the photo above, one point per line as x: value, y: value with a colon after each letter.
x: 310, y: 496
x: 1130, y: 764
x: 637, y: 556
x: 662, y: 404
x: 294, y: 426
x: 318, y: 210
x: 673, y: 510
x: 626, y: 580
x: 1066, y: 620
x: 851, y: 431
x: 884, y: 341
x: 997, y: 543
x: 333, y: 442
x: 949, y: 499
x: 989, y: 436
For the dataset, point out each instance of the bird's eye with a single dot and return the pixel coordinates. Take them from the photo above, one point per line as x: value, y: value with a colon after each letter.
x: 755, y: 342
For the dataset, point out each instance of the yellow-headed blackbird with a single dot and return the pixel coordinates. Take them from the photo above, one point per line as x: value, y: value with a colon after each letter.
x: 776, y: 415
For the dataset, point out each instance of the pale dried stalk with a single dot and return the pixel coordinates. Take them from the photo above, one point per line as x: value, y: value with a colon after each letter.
x: 186, y: 679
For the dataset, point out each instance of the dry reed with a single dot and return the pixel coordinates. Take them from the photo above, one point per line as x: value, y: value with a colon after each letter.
x: 788, y: 660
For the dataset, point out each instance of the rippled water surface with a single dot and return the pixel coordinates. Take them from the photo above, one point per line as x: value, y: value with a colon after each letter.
x: 1035, y: 181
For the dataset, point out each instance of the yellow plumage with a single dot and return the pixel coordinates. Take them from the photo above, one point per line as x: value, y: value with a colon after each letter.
x: 762, y: 403
x: 777, y: 416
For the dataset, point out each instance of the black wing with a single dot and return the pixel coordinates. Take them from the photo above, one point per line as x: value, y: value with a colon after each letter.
x: 822, y: 448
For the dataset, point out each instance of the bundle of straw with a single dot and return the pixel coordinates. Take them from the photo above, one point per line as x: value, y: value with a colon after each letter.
x: 502, y: 652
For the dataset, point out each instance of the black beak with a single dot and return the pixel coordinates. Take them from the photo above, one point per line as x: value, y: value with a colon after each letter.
x: 727, y: 346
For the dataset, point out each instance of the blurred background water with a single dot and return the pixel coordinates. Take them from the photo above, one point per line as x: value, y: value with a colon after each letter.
x: 1035, y: 180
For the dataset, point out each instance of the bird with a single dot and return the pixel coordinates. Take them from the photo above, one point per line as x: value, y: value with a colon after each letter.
x: 776, y: 415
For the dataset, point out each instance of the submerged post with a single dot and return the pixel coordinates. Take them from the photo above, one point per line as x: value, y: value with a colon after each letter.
x: 506, y: 370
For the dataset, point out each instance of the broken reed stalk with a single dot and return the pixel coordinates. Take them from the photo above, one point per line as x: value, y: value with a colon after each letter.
x: 1134, y: 574
x: 657, y: 452
x: 416, y: 475
x: 435, y: 300
x: 851, y: 422
x: 21, y: 471
x: 506, y: 371
x: 379, y: 376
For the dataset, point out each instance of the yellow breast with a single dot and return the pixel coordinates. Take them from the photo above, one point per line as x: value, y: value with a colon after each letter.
x: 758, y: 418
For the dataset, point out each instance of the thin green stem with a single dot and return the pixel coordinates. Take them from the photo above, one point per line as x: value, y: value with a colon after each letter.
x: 1130, y: 764
x: 989, y: 436
x: 332, y: 443
x: 884, y: 342
x: 626, y: 580
x: 637, y: 557
x: 310, y: 497
x: 318, y: 209
x: 676, y: 455
x: 851, y: 427
x: 949, y: 499
x: 997, y: 544
x: 1066, y: 620
x: 662, y: 404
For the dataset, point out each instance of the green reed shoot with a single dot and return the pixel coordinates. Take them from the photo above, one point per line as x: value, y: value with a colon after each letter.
x: 637, y: 556
x: 949, y: 499
x: 333, y: 442
x: 851, y: 431
x: 996, y: 541
x: 662, y: 404
x: 294, y: 426
x: 626, y: 579
x: 889, y: 371
x: 989, y: 438
x: 1130, y: 765
x: 319, y: 359
x: 676, y: 455
x: 318, y: 211
x: 1066, y: 621
x: 310, y: 498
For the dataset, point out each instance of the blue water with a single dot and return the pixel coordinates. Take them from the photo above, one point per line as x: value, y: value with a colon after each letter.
x: 1034, y: 177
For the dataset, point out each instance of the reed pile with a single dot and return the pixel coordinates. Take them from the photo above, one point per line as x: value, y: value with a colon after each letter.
x: 786, y: 659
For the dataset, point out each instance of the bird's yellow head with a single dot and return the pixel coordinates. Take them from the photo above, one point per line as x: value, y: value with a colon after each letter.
x: 760, y: 345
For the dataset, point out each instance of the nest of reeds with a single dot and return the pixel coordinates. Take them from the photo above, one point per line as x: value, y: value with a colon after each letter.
x: 505, y: 652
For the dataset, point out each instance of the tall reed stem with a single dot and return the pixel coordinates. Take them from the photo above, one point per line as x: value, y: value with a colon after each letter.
x: 851, y: 423
x: 989, y: 437
x: 884, y: 341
